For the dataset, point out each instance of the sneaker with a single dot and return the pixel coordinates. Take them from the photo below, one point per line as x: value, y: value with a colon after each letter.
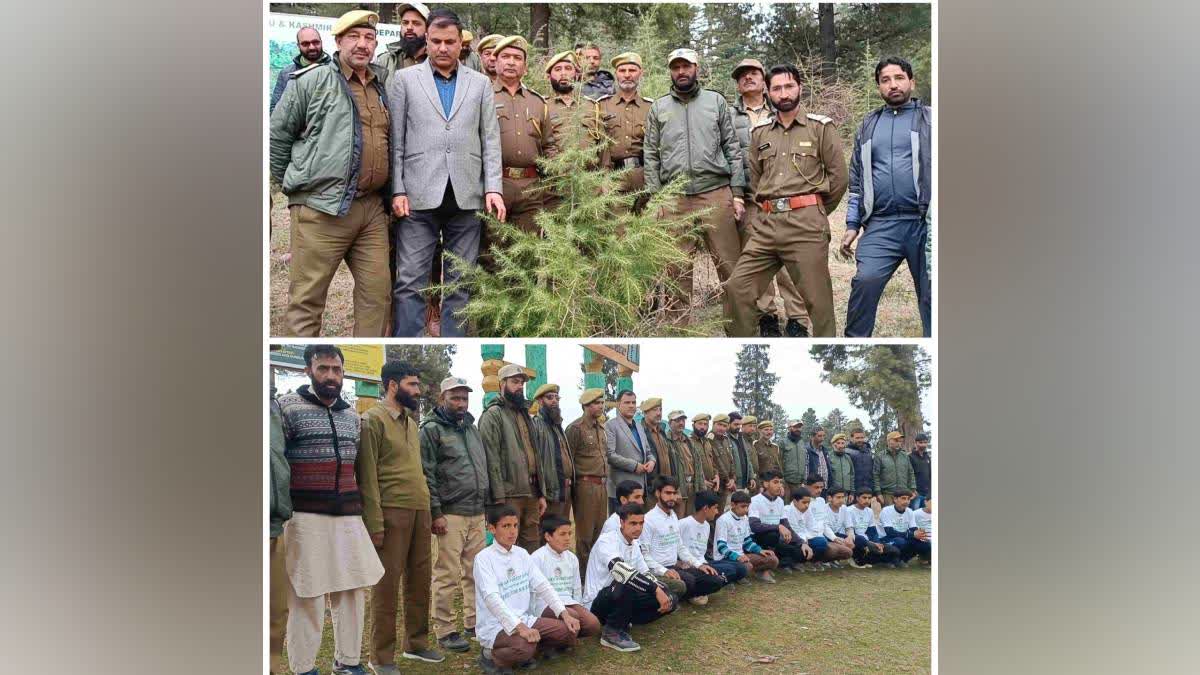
x: 827, y: 565
x: 618, y: 640
x: 528, y: 665
x: 470, y: 633
x: 426, y: 655
x: 489, y: 666
x: 766, y: 576
x: 342, y: 669
x: 768, y: 326
x: 454, y: 642
x: 796, y: 329
x: 745, y: 581
x: 383, y: 669
x: 785, y: 569
x: 867, y: 566
x: 837, y: 565
x: 856, y: 565
x: 700, y: 600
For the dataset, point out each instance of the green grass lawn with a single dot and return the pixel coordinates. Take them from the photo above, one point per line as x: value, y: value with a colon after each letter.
x: 837, y: 621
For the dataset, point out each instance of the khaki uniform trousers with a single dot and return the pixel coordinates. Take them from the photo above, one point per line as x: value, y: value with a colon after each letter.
x: 528, y: 520
x: 523, y: 198
x: 793, y: 303
x: 563, y: 508
x: 797, y: 242
x: 279, y: 605
x: 720, y: 237
x: 319, y: 243
x: 591, y: 510
x: 453, y: 570
x: 406, y: 554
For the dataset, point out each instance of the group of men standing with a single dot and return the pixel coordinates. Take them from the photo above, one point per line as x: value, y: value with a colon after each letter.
x: 387, y: 164
x: 356, y: 498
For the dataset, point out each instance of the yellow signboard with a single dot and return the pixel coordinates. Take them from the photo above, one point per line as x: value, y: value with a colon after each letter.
x: 363, y: 362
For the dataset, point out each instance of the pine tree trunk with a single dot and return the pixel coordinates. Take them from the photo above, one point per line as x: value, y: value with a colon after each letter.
x: 828, y: 41
x: 539, y: 25
x: 387, y: 12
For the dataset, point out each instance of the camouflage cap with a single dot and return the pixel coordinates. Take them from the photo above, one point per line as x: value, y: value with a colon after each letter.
x: 676, y: 414
x: 512, y: 370
x: 454, y: 383
x: 684, y: 53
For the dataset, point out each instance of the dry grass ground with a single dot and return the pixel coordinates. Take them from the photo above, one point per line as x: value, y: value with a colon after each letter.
x: 837, y: 621
x: 897, y: 315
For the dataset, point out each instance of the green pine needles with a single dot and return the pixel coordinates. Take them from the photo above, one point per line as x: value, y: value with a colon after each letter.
x: 598, y: 268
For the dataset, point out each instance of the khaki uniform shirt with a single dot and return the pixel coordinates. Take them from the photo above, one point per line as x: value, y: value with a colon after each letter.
x: 769, y: 458
x: 802, y: 158
x: 388, y: 467
x: 704, y: 448
x: 376, y: 125
x: 664, y: 466
x: 723, y: 457
x: 624, y: 122
x: 687, y: 465
x: 525, y: 132
x: 586, y: 438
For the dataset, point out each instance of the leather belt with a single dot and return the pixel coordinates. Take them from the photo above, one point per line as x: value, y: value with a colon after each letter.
x: 789, y: 203
x: 520, y: 172
x: 594, y: 480
x: 627, y: 163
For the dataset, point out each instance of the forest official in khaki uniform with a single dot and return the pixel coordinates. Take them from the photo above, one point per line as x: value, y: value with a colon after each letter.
x: 524, y: 134
x: 623, y: 115
x: 487, y: 54
x: 564, y: 107
x: 706, y: 450
x: 689, y: 472
x: 766, y: 450
x: 723, y: 449
x: 797, y: 177
x: 652, y: 419
x: 586, y: 438
x: 752, y: 107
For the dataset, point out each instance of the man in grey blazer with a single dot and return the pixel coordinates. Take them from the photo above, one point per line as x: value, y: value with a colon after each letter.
x: 446, y: 159
x: 629, y: 452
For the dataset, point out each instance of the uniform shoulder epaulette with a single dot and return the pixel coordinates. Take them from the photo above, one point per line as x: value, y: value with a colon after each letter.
x: 599, y: 98
x: 647, y: 99
x: 536, y: 94
x: 300, y: 71
x: 820, y: 118
x: 763, y: 123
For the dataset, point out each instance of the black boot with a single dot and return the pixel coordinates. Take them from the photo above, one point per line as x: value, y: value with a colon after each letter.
x: 796, y: 329
x: 768, y: 326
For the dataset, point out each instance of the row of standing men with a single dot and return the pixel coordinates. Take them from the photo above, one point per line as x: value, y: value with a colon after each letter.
x: 366, y: 492
x: 411, y: 147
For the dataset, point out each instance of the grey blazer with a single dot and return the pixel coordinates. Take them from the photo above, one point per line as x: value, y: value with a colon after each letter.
x: 429, y: 147
x: 623, y: 453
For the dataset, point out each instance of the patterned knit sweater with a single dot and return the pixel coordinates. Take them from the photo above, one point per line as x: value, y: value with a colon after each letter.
x: 322, y: 444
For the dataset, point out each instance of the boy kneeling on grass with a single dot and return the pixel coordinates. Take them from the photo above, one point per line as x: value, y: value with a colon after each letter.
x: 504, y: 576
x: 770, y: 527
x: 561, y: 568
x: 628, y: 492
x: 838, y: 515
x: 900, y: 529
x: 735, y: 543
x: 924, y: 518
x: 620, y: 589
x: 694, y: 530
x: 868, y: 549
x: 822, y: 517
x: 687, y: 575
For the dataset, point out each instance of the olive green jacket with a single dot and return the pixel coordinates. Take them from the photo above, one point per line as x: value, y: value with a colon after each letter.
x: 841, y: 470
x: 316, y: 138
x: 692, y: 136
x: 455, y: 465
x: 893, y: 472
x: 281, y: 473
x: 793, y: 458
x: 394, y: 58
x: 741, y: 126
x: 508, y: 477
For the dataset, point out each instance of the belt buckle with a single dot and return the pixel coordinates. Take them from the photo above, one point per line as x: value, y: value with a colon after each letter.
x: 780, y: 204
x: 514, y: 172
x: 630, y: 163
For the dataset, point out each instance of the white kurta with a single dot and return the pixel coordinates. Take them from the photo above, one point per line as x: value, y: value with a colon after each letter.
x: 326, y: 554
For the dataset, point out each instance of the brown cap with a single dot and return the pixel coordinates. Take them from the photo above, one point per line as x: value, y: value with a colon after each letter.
x: 749, y: 419
x: 468, y: 36
x: 567, y: 56
x: 545, y: 389
x: 354, y: 19
x: 894, y: 436
x: 512, y: 370
x: 766, y: 424
x: 513, y: 41
x: 748, y: 63
x: 590, y: 396
x: 701, y: 417
x: 650, y: 404
x: 720, y: 417
x: 838, y: 437
x: 626, y: 57
x: 488, y: 41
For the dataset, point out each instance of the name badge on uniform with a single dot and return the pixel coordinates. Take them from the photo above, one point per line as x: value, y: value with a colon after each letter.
x: 764, y: 146
x: 806, y: 144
